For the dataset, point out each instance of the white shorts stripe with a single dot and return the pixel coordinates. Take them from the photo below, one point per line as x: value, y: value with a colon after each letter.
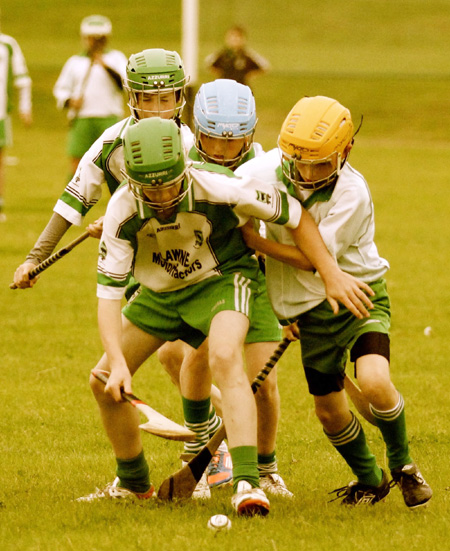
x: 242, y: 294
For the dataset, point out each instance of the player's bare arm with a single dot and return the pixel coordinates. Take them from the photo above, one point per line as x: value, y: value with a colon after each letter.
x: 284, y: 253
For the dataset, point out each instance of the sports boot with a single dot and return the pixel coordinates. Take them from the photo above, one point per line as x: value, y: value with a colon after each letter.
x: 114, y: 491
x: 363, y: 494
x: 249, y: 501
x: 272, y: 483
x: 415, y: 490
x: 220, y: 468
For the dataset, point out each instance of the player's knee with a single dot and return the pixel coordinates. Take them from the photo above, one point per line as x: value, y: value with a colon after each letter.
x: 164, y: 355
x: 331, y: 417
x: 223, y: 354
x: 171, y: 363
x: 97, y: 387
x: 380, y: 393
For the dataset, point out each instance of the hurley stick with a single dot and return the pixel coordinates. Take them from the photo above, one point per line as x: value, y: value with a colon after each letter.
x: 156, y: 423
x: 181, y: 484
x: 54, y: 257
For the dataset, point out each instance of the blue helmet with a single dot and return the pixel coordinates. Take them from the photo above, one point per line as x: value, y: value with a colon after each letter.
x: 224, y: 109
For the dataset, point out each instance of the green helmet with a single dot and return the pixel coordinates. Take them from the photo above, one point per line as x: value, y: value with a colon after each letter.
x: 155, y: 74
x: 155, y: 164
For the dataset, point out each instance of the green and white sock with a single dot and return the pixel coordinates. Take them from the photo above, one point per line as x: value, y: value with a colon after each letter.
x: 245, y: 465
x: 215, y: 421
x: 267, y: 464
x: 196, y: 418
x: 134, y: 473
x: 351, y: 443
x: 392, y: 424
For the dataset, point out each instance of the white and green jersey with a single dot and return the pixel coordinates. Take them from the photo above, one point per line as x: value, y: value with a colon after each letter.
x: 13, y: 72
x: 344, y: 214
x: 201, y: 240
x: 80, y: 78
x: 101, y: 164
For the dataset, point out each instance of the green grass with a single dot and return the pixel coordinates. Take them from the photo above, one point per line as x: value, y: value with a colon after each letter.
x: 385, y: 60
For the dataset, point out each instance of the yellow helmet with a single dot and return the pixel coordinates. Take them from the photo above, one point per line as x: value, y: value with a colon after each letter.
x: 314, y: 142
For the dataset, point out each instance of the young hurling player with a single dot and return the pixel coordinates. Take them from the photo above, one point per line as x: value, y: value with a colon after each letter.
x: 314, y: 143
x: 155, y: 84
x: 177, y: 228
x: 224, y: 126
x: 90, y: 88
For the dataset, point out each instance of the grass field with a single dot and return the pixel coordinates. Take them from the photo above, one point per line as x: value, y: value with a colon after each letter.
x: 386, y: 60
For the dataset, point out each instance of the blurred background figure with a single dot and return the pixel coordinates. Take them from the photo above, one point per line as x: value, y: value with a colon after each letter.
x: 235, y: 60
x: 90, y: 88
x: 13, y: 73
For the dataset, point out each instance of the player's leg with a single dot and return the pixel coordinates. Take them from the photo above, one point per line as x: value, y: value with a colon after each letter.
x: 323, y: 338
x: 171, y: 356
x: 223, y: 306
x: 78, y: 142
x: 226, y: 340
x: 194, y: 377
x: 121, y: 422
x: 346, y: 434
x: 267, y: 398
x: 195, y: 388
x: 268, y: 414
x: 262, y: 339
x: 388, y: 408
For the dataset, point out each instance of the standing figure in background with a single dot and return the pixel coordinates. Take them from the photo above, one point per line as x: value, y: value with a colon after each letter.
x: 13, y: 72
x: 90, y: 88
x: 235, y: 60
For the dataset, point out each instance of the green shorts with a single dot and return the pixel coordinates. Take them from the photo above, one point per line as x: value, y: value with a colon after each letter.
x: 264, y: 325
x: 326, y: 338
x: 84, y: 131
x: 187, y: 313
x: 5, y: 132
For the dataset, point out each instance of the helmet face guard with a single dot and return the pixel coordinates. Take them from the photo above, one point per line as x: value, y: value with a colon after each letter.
x: 314, y: 142
x: 311, y: 174
x: 155, y: 84
x: 228, y: 150
x: 225, y: 111
x: 155, y: 168
x: 160, y: 195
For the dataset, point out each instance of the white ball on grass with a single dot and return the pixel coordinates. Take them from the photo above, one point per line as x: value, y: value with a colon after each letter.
x: 427, y: 331
x: 219, y: 523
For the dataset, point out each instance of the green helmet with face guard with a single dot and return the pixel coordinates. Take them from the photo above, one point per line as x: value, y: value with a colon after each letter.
x: 155, y: 83
x: 155, y: 167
